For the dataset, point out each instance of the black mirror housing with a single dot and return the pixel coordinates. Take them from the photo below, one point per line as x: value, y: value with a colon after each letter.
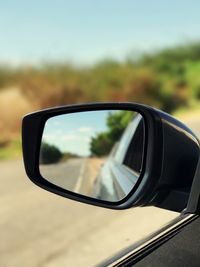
x: 170, y: 157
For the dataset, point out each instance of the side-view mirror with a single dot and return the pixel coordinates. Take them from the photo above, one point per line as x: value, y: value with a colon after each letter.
x: 114, y: 155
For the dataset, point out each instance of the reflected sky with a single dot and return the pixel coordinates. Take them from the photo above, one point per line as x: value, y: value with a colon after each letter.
x: 73, y: 132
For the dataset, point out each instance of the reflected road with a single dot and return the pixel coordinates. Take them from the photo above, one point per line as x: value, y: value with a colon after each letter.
x: 67, y: 174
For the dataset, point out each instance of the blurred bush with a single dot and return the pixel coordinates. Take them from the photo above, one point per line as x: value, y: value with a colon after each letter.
x: 167, y: 79
x: 13, y: 105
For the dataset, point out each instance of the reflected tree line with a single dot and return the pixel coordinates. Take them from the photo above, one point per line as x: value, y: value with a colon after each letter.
x: 52, y: 154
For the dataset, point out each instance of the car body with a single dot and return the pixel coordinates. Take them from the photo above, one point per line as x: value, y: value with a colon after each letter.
x: 122, y: 163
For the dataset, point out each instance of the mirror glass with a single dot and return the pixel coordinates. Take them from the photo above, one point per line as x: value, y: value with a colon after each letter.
x: 94, y: 153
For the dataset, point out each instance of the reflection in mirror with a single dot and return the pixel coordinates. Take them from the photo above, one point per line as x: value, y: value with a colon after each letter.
x: 94, y: 153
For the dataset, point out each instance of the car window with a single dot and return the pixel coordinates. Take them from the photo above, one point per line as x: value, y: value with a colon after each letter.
x: 56, y: 53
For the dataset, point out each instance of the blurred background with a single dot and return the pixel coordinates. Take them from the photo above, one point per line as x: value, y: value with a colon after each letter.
x: 65, y: 52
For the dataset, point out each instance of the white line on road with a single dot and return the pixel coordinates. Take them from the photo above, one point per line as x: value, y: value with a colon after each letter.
x: 80, y: 177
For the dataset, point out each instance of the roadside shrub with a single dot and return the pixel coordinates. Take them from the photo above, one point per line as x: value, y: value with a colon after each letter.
x: 100, y: 145
x: 49, y: 154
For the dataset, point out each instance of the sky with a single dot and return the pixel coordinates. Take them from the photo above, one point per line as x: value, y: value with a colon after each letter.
x: 84, y: 32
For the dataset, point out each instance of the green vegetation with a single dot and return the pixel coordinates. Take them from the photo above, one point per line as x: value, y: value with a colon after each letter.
x: 100, y: 145
x: 11, y: 150
x: 116, y: 122
x: 168, y: 79
x: 49, y: 154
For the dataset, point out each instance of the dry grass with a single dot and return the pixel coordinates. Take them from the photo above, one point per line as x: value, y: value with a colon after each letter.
x: 13, y: 106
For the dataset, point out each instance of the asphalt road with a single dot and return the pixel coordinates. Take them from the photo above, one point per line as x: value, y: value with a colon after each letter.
x: 40, y: 229
x: 67, y: 174
x: 76, y: 174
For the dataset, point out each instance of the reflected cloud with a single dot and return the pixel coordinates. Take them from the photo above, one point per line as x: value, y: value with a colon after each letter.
x: 85, y: 129
x: 56, y: 123
x: 70, y: 137
x: 62, y: 137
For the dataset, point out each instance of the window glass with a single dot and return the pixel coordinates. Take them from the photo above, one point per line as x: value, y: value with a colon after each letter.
x: 68, y: 52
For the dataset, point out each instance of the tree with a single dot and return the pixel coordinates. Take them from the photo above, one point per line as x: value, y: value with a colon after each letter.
x: 103, y: 142
x: 100, y: 145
